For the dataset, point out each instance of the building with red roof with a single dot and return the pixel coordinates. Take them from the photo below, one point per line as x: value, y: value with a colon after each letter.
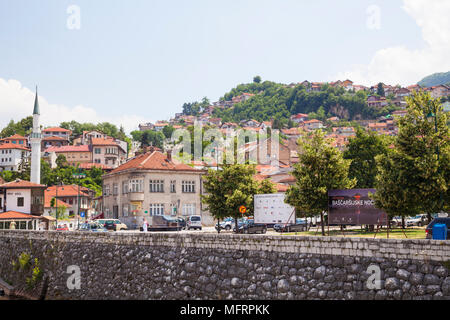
x: 13, y: 156
x: 153, y: 184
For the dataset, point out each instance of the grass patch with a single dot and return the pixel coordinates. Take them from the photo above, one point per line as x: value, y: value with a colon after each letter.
x: 411, y: 233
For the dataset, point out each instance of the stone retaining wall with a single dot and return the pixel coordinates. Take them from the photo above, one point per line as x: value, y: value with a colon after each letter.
x: 212, y: 266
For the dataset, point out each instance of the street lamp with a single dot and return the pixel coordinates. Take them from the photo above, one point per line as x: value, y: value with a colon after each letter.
x: 78, y: 176
x: 430, y: 117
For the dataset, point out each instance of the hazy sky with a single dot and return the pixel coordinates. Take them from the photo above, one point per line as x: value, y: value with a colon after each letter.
x: 140, y: 60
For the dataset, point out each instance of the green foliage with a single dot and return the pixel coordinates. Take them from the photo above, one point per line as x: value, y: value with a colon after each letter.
x: 273, y: 100
x: 362, y: 151
x: 380, y: 90
x: 149, y: 138
x: 321, y: 168
x: 167, y: 131
x: 435, y: 79
x: 195, y: 108
x: 257, y: 79
x: 21, y: 127
x: 24, y: 261
x: 414, y: 175
x: 233, y: 186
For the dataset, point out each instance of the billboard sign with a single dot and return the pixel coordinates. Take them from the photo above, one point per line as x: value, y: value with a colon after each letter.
x: 354, y: 207
x: 271, y: 208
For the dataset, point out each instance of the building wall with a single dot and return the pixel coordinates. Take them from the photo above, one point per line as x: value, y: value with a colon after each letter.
x: 167, y: 198
x: 77, y: 157
x: 16, y: 159
x: 227, y: 267
x: 11, y: 200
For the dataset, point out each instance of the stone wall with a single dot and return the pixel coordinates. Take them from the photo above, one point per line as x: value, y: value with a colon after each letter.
x: 213, y: 266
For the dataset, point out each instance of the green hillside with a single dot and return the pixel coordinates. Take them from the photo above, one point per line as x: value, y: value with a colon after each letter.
x: 435, y: 79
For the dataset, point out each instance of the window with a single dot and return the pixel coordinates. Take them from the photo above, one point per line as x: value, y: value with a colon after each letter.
x: 188, y: 209
x: 98, y: 151
x: 172, y: 186
x: 107, y: 190
x: 124, y: 187
x: 156, y: 209
x: 137, y: 185
x: 20, y: 202
x: 125, y: 210
x: 115, y: 189
x: 156, y: 185
x: 188, y: 187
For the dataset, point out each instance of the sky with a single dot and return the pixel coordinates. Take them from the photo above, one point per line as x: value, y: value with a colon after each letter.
x: 136, y: 61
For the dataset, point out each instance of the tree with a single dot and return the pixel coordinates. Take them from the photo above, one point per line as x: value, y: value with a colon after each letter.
x: 61, y: 161
x: 167, y: 131
x: 413, y: 177
x: 362, y: 151
x: 228, y: 189
x: 321, y: 168
x: 380, y: 90
x: 257, y: 79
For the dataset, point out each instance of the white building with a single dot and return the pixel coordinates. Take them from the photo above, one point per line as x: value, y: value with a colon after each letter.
x: 13, y: 156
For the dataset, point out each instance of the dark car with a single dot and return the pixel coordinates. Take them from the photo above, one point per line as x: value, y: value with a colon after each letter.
x: 110, y: 225
x: 429, y: 229
x: 300, y: 225
x: 181, y: 223
x: 249, y: 226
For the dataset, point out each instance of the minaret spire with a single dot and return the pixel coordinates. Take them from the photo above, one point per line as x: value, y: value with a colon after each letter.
x: 35, y: 141
x: 36, y: 103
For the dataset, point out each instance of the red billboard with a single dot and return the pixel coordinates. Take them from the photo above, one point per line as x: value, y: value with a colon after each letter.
x: 354, y: 207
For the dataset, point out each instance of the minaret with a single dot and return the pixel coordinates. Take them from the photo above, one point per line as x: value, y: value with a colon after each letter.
x: 35, y: 140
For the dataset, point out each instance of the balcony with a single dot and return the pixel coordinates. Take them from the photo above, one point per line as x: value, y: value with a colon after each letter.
x: 136, y: 196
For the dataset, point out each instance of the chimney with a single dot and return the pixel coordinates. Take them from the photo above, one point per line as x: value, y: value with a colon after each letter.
x: 169, y: 155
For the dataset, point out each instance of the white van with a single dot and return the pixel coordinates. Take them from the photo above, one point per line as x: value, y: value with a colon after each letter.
x: 194, y: 222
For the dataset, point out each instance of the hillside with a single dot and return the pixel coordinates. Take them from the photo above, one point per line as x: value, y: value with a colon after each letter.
x: 435, y: 79
x: 279, y: 101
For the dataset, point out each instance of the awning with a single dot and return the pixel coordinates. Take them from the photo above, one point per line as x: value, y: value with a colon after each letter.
x: 49, y: 218
x: 100, y: 216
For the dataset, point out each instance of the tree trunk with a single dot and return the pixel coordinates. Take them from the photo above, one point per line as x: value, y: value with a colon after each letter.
x: 236, y: 225
x: 218, y: 225
x: 322, y: 223
x: 403, y: 222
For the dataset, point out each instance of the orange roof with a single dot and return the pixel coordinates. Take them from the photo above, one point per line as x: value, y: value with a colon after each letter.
x: 15, y: 137
x: 153, y: 161
x: 66, y: 191
x: 103, y: 142
x: 56, y: 129
x: 21, y: 184
x: 13, y: 215
x: 13, y: 146
x: 281, y: 187
x: 54, y: 138
x: 82, y: 148
x: 48, y: 199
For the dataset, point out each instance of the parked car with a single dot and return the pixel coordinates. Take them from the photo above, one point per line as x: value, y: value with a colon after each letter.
x: 194, y: 222
x: 419, y: 220
x: 112, y: 224
x: 429, y: 229
x: 249, y: 226
x: 299, y: 226
x: 227, y: 224
x: 92, y: 227
x: 181, y: 223
x: 62, y: 228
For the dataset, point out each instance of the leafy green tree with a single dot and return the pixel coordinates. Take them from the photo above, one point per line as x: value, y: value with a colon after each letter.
x: 362, y: 151
x: 413, y: 177
x: 321, y: 168
x: 21, y: 127
x: 380, y: 90
x: 228, y: 189
x: 61, y: 161
x: 257, y: 79
x: 167, y: 131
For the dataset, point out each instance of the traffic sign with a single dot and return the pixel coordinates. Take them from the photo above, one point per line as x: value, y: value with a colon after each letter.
x: 242, y: 209
x: 82, y: 214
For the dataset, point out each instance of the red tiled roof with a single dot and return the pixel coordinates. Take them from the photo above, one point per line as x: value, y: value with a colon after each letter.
x: 153, y: 161
x: 13, y: 146
x: 21, y: 184
x: 16, y: 215
x: 48, y: 199
x: 103, y: 142
x: 56, y: 129
x: 66, y: 191
x: 82, y: 148
x: 15, y: 137
x: 53, y: 138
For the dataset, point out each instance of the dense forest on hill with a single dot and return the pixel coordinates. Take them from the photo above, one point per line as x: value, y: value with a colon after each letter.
x: 435, y: 79
x: 279, y: 101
